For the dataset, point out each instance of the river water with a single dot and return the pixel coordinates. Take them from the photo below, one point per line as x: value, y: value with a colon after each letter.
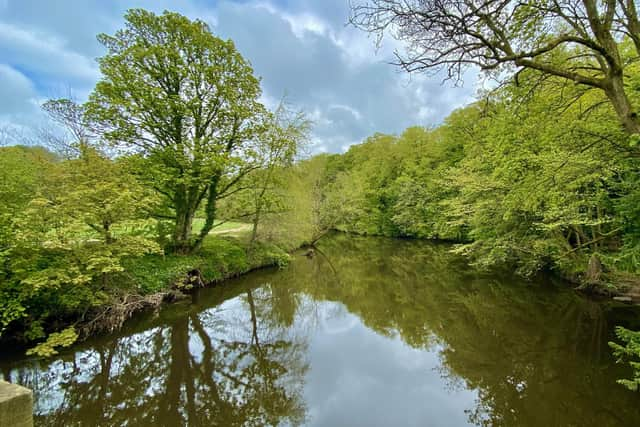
x: 369, y: 332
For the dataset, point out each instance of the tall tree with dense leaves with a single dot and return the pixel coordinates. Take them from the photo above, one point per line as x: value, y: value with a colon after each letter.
x: 577, y: 40
x: 187, y: 102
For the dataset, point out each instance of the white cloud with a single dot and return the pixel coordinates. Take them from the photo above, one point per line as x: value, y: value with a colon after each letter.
x: 300, y: 23
x: 44, y: 53
x: 16, y: 91
x: 301, y: 49
x: 355, y: 113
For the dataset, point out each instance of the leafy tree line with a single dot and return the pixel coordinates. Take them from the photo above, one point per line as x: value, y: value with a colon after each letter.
x: 557, y: 183
x: 174, y: 131
x: 537, y: 175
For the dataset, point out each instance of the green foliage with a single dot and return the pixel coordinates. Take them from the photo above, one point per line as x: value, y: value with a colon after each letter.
x: 187, y: 103
x: 629, y: 353
x: 263, y: 254
x: 218, y: 259
x: 510, y: 191
x: 68, y: 241
x: 261, y: 191
x: 310, y: 205
x: 57, y: 339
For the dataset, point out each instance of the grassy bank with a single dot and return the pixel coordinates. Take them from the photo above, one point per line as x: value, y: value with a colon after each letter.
x: 221, y: 257
x: 154, y: 279
x: 142, y: 283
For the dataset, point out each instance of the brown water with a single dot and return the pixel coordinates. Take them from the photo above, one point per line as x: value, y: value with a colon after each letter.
x: 370, y: 332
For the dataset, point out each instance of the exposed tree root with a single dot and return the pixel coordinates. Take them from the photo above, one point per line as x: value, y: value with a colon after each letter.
x: 111, y: 317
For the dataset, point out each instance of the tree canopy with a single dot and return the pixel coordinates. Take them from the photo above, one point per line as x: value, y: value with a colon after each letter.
x: 577, y: 40
x: 187, y: 103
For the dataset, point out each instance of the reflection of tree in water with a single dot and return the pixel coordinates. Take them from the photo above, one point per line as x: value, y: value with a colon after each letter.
x: 536, y: 354
x: 217, y: 367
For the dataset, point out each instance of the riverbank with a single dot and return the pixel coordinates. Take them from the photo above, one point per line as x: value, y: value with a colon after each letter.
x: 149, y: 281
x: 596, y: 279
x: 157, y: 279
x: 152, y: 280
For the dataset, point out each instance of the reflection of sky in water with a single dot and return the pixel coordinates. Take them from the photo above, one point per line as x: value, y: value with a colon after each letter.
x: 356, y: 377
x: 328, y: 344
x: 360, y: 378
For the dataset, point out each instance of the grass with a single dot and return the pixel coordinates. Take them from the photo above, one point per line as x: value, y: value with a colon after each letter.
x: 224, y: 253
x: 229, y: 227
x: 220, y: 257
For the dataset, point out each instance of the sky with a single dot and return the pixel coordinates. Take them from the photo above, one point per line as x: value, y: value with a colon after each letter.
x: 301, y: 49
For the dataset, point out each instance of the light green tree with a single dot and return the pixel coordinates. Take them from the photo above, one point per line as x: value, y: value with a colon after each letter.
x: 187, y: 102
x: 68, y: 243
x: 262, y: 192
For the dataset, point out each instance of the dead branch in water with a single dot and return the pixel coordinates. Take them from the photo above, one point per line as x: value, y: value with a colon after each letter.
x: 111, y: 317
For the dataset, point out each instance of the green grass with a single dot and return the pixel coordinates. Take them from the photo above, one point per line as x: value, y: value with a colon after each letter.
x: 227, y: 227
x: 220, y: 257
x: 219, y: 227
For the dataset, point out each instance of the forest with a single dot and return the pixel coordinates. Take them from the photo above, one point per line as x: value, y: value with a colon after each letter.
x: 128, y: 209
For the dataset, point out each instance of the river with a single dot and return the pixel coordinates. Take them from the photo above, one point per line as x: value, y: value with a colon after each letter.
x: 368, y: 332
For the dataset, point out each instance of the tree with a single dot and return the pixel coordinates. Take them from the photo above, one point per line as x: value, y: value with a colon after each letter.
x: 263, y: 190
x: 67, y: 242
x: 187, y: 102
x: 70, y: 115
x: 630, y: 352
x: 312, y: 204
x: 100, y: 193
x: 286, y: 134
x: 577, y: 40
x: 23, y: 171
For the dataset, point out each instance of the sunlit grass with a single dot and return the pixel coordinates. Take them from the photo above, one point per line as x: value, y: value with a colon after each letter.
x: 227, y: 227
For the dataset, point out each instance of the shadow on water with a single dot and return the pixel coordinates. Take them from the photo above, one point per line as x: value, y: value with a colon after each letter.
x: 368, y: 332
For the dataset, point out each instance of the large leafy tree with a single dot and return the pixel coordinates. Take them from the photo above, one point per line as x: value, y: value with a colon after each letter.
x: 577, y: 40
x: 187, y: 102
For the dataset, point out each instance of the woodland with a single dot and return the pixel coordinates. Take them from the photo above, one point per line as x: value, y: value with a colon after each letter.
x: 174, y: 175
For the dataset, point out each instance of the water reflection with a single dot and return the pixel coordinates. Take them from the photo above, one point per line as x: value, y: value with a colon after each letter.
x: 369, y: 332
x: 219, y: 366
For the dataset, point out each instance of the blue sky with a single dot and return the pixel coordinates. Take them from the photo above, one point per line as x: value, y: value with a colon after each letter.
x: 300, y: 48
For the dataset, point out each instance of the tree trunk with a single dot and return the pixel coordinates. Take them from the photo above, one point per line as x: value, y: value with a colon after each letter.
x: 621, y: 104
x: 106, y: 227
x: 594, y: 270
x: 256, y: 221
x: 182, y: 226
x: 182, y: 230
x: 210, y: 213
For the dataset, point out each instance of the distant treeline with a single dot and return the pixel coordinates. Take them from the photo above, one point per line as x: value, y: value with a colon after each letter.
x: 538, y: 174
